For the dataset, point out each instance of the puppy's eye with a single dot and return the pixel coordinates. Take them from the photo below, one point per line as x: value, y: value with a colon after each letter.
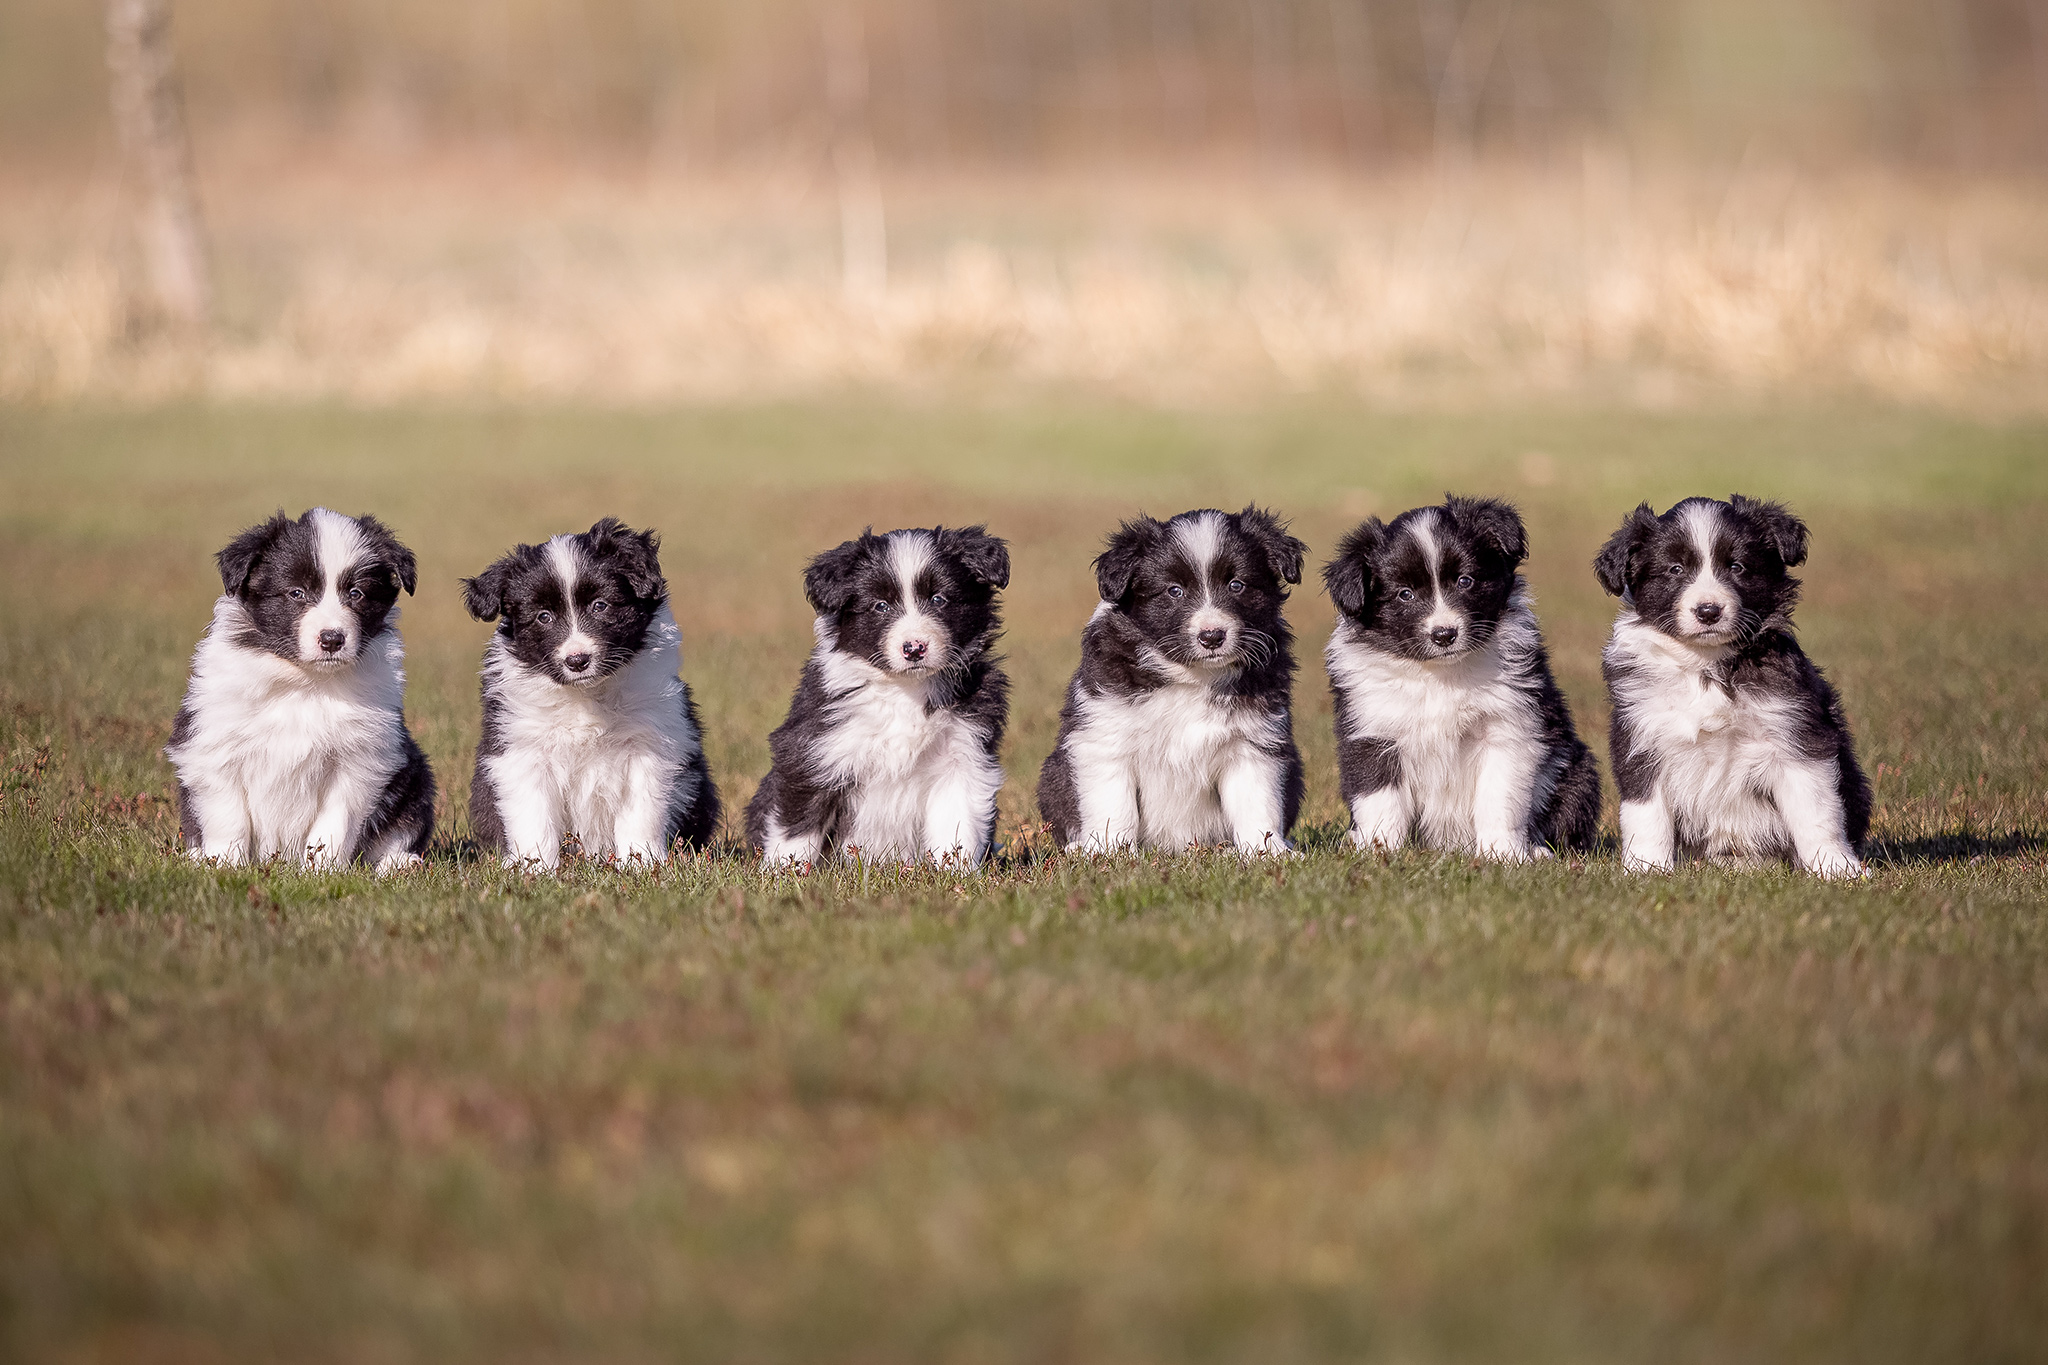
x: 600, y: 607
x: 297, y: 594
x: 1407, y: 594
x: 355, y: 594
x: 545, y: 618
x: 938, y: 600
x: 1675, y: 570
x: 1735, y: 569
x: 1176, y: 591
x: 1237, y: 585
x: 1464, y: 580
x: 882, y: 607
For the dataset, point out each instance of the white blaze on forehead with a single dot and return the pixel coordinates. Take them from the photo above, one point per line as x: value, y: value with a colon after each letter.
x: 1201, y: 540
x: 1701, y: 521
x: 339, y: 545
x: 562, y: 559
x: 568, y: 567
x: 1424, y: 530
x: 910, y: 554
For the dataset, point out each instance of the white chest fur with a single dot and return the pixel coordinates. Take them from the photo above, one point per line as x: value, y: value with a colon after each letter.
x: 1721, y: 756
x: 597, y: 760
x: 1157, y: 767
x: 1456, y: 726
x: 920, y: 780
x: 281, y: 759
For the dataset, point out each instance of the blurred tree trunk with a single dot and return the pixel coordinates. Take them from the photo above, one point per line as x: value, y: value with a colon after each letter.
x: 863, y: 229
x: 149, y: 119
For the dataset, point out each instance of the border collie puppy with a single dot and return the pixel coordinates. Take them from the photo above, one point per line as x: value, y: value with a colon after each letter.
x: 587, y: 729
x: 1726, y: 739
x: 1178, y: 728
x: 1450, y: 727
x: 292, y: 741
x: 890, y: 744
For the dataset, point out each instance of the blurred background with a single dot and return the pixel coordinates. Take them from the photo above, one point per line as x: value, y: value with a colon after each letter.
x: 1180, y: 200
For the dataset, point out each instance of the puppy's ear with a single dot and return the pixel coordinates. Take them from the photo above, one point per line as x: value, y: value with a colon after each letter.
x: 484, y: 595
x: 829, y: 579
x: 1284, y: 553
x: 638, y: 554
x: 1348, y: 577
x: 985, y: 556
x: 393, y: 555
x: 238, y: 560
x: 1785, y: 533
x: 1116, y: 568
x: 1493, y: 521
x: 1616, y: 563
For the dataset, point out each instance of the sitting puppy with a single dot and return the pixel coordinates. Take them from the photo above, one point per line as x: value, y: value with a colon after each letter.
x: 1449, y: 725
x: 292, y: 740
x: 1178, y: 727
x: 587, y: 729
x: 890, y: 744
x: 1725, y: 738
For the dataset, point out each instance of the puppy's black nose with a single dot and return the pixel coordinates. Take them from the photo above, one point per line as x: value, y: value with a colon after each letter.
x: 914, y: 650
x: 576, y: 663
x: 331, y: 641
x: 1211, y: 639
x: 1708, y: 612
x: 1443, y: 637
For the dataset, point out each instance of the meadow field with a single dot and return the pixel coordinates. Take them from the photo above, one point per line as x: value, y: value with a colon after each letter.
x: 1135, y: 1109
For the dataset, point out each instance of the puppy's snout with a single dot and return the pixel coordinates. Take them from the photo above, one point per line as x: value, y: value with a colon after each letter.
x: 1212, y: 639
x: 915, y: 650
x: 1443, y: 637
x: 1707, y: 612
x: 331, y: 641
x: 577, y: 662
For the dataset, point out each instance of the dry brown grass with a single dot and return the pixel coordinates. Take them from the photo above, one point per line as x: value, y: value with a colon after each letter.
x: 494, y: 274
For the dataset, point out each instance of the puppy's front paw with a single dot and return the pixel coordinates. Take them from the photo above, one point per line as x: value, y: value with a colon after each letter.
x: 1836, y: 865
x: 393, y: 863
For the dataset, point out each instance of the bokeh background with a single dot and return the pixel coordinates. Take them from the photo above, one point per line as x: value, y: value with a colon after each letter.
x: 1170, y: 199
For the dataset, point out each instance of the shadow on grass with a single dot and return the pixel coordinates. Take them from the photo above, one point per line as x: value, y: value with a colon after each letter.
x: 1960, y: 847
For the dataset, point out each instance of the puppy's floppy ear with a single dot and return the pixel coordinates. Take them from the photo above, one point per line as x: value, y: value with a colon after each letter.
x: 1785, y: 532
x: 238, y: 560
x: 1616, y: 562
x: 985, y: 556
x: 1493, y: 521
x: 1117, y: 566
x: 394, y: 555
x: 484, y: 595
x: 1348, y: 577
x: 638, y: 554
x: 1283, y: 552
x: 829, y: 579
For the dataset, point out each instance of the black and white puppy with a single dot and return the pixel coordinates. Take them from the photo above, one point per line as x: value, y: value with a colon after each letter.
x: 1726, y: 739
x: 1178, y: 728
x: 890, y: 743
x: 1450, y: 727
x: 587, y: 729
x: 292, y: 741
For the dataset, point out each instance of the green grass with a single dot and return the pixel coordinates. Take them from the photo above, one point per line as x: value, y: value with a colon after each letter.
x: 1135, y: 1110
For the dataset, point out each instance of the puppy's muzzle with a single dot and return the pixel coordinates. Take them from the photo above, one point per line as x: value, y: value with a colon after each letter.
x: 331, y: 641
x: 1443, y: 637
x: 576, y: 665
x: 1212, y: 639
x: 1707, y: 613
x: 915, y: 650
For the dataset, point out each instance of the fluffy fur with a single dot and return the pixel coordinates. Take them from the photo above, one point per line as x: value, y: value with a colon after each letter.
x: 1450, y: 727
x: 588, y: 733
x: 1178, y: 726
x: 890, y: 743
x: 1726, y: 740
x: 291, y: 741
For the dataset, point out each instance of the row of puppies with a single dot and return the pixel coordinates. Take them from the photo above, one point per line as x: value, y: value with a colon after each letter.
x: 1176, y: 731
